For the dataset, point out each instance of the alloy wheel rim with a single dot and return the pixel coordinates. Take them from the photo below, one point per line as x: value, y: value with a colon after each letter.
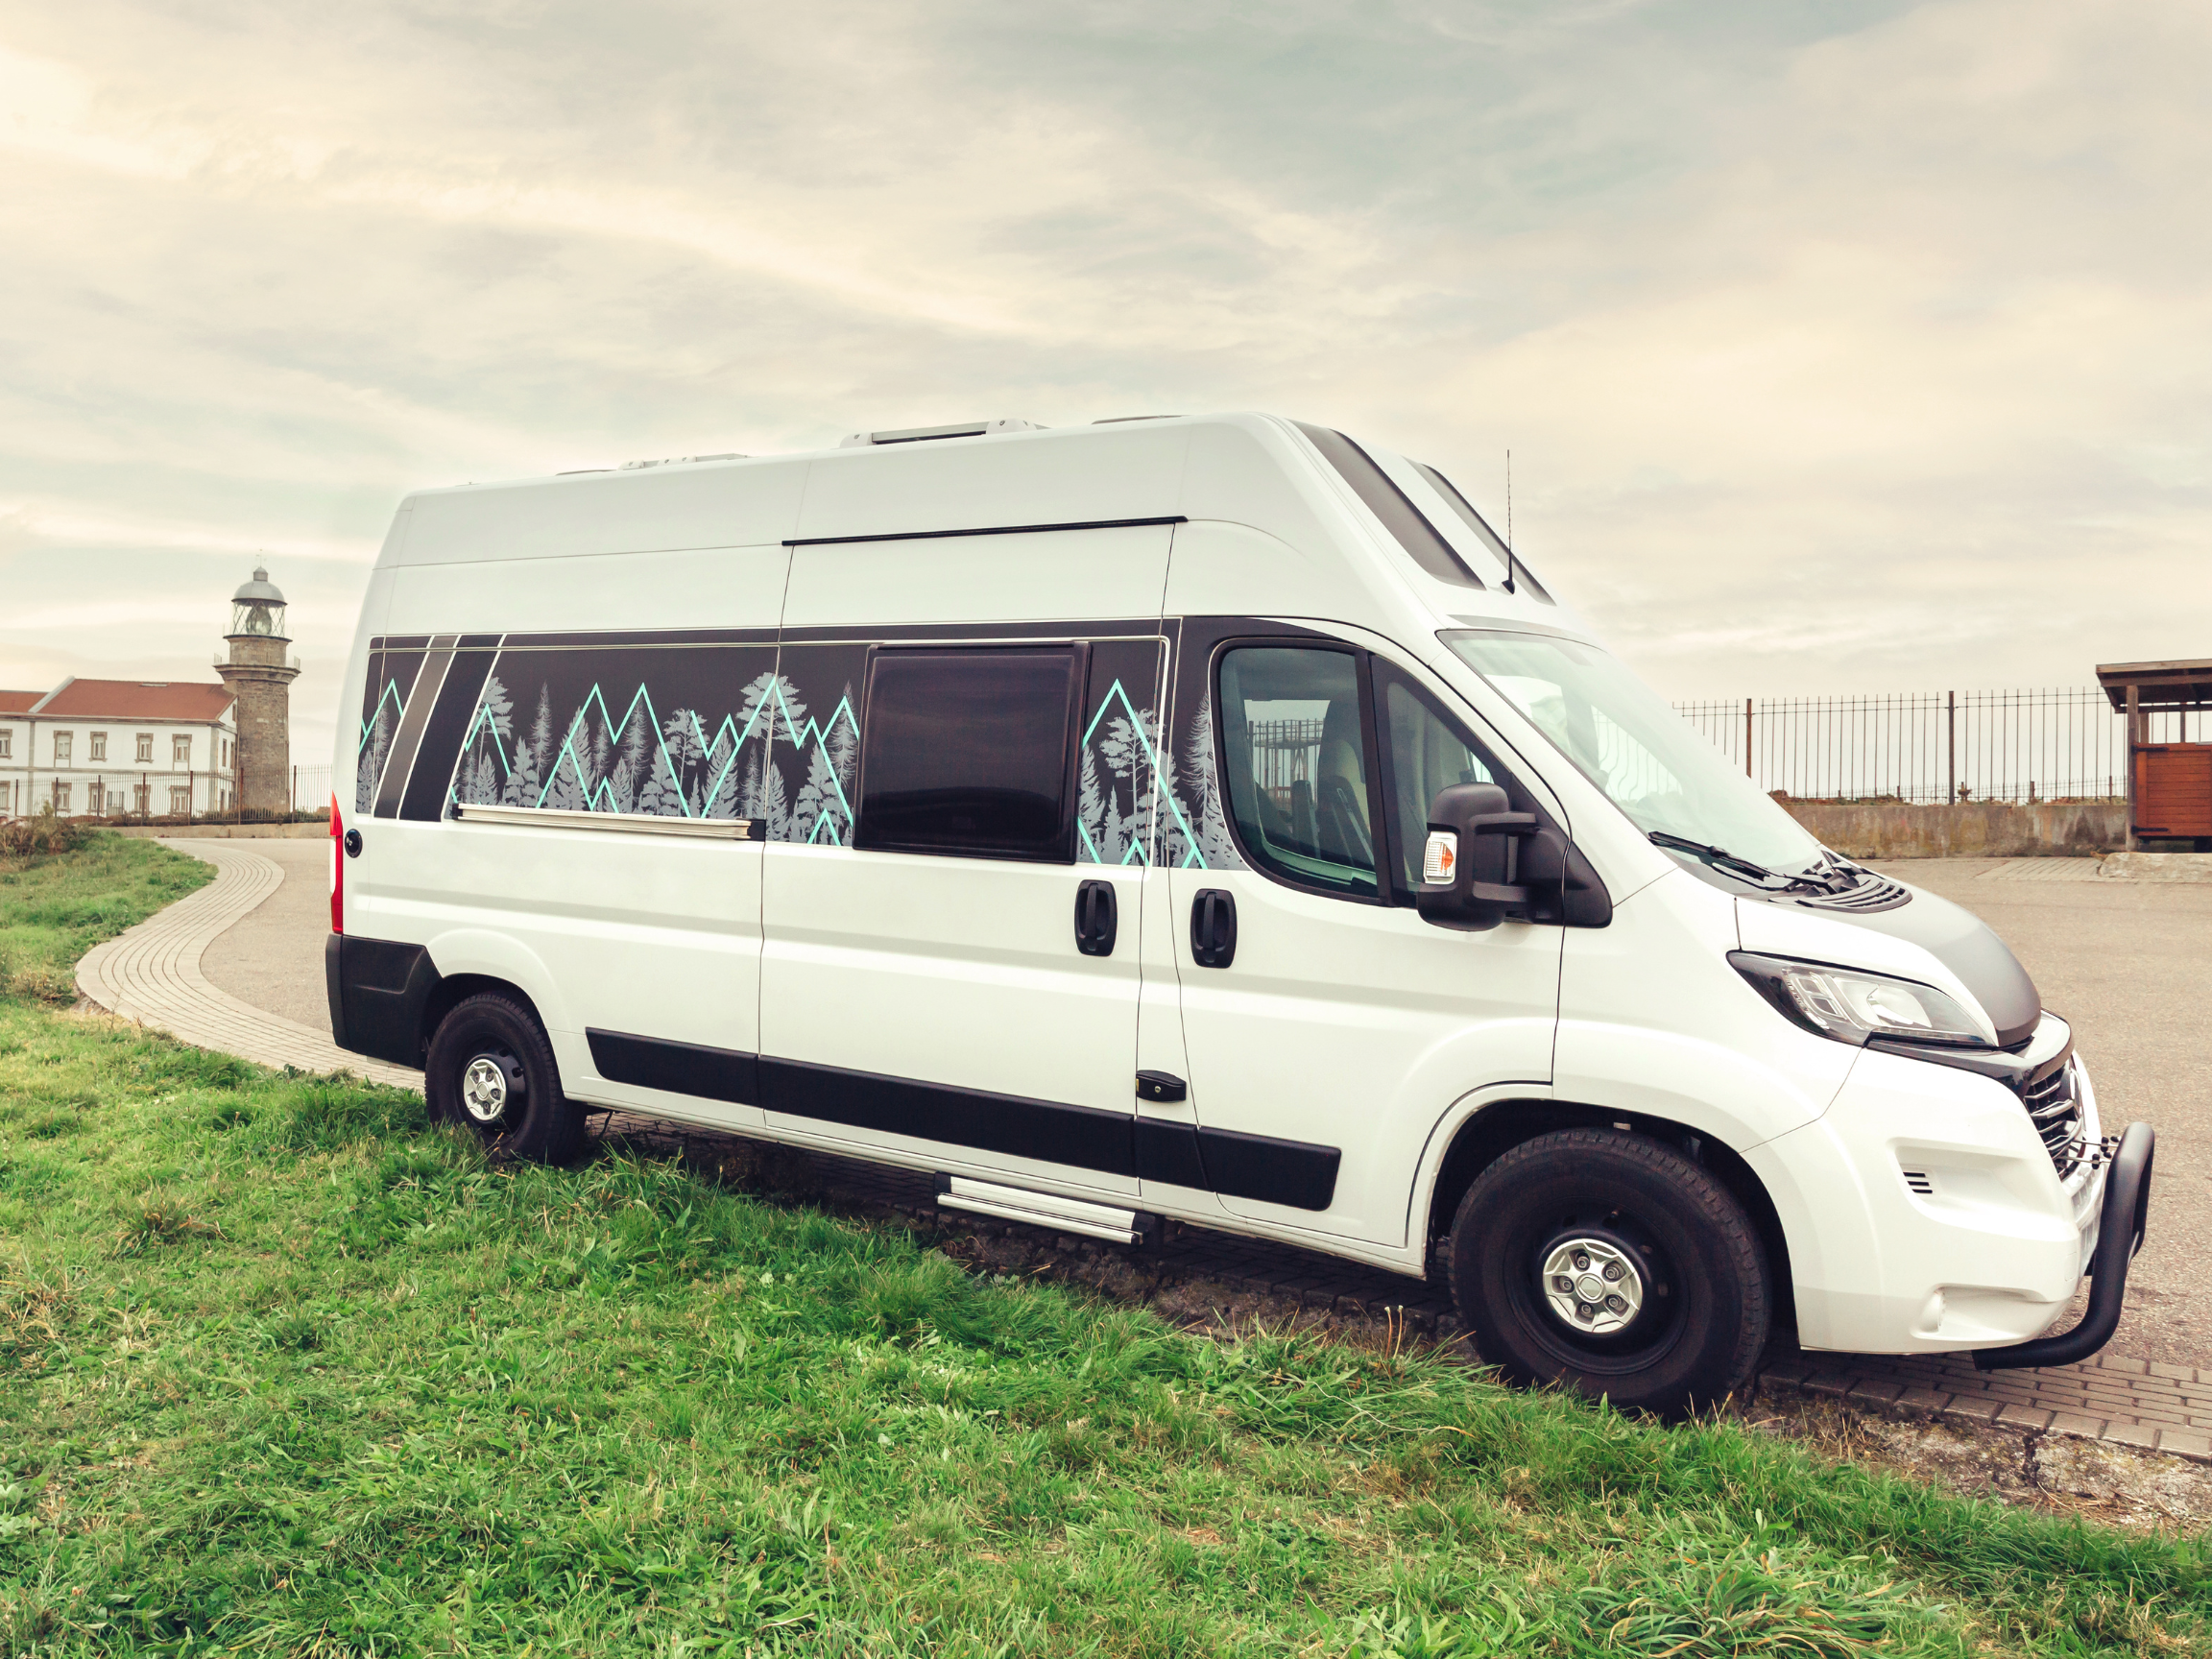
x: 1592, y: 1286
x: 487, y: 1086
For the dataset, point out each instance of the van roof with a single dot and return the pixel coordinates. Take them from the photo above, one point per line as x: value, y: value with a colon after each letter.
x: 1257, y: 470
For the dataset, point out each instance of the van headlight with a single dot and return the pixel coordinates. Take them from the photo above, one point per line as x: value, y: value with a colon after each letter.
x: 1851, y: 1005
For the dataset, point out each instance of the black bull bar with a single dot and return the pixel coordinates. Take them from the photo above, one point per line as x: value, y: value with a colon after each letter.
x: 2121, y: 1222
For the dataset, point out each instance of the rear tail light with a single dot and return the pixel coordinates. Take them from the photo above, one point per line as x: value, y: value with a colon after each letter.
x: 337, y: 870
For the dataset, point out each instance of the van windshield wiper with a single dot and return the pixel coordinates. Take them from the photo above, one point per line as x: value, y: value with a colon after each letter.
x: 1721, y: 859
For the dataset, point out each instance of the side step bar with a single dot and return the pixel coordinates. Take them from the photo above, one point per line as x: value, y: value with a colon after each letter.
x: 1046, y: 1210
x: 2119, y: 1226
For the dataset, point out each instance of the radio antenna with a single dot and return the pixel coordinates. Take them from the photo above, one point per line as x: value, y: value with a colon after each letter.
x: 1509, y: 522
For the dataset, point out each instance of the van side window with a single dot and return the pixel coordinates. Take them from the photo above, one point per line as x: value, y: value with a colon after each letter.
x: 1429, y: 752
x: 969, y: 753
x: 1298, y: 765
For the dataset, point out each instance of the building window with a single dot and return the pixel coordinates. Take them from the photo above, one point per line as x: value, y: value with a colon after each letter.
x: 114, y: 803
x: 179, y: 800
x: 145, y: 749
x: 181, y: 751
x: 62, y: 794
x: 64, y: 747
x: 141, y: 801
x: 99, y: 746
x: 6, y: 745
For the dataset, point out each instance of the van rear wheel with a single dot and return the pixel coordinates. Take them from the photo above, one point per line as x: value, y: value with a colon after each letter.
x: 1611, y: 1264
x: 491, y: 1069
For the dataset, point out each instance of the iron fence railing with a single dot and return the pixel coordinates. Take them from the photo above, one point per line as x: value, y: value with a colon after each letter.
x: 2064, y: 743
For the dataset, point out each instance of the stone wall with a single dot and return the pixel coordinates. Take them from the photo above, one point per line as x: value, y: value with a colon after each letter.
x: 1970, y: 830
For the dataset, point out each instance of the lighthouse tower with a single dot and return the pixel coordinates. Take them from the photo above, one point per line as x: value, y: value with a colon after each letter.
x: 259, y: 676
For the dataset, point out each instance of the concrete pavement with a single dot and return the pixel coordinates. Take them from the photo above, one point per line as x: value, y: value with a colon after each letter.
x: 2128, y: 965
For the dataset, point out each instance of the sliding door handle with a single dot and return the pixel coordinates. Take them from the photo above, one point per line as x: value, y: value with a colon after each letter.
x: 1214, y: 929
x: 1096, y: 922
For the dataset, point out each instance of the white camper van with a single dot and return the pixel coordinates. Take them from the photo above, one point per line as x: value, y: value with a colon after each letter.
x: 1205, y: 819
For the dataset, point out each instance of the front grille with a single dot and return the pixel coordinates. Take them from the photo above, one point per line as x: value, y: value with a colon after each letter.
x: 2055, y: 1110
x: 1872, y: 894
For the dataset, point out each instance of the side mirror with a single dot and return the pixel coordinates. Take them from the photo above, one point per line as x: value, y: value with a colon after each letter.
x: 1484, y: 862
x: 1468, y: 864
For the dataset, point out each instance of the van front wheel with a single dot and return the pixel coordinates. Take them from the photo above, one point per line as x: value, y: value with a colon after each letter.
x: 1613, y: 1265
x: 491, y: 1069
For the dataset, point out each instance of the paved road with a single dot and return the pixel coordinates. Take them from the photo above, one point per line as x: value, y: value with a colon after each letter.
x: 273, y: 955
x: 2129, y: 965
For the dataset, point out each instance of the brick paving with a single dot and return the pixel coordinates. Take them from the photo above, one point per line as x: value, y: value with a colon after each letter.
x: 151, y: 975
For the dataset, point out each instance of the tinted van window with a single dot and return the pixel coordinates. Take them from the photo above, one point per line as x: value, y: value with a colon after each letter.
x: 1428, y: 755
x: 1298, y: 765
x: 967, y: 751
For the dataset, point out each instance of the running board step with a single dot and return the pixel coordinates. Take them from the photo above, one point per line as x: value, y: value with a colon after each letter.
x: 1046, y: 1210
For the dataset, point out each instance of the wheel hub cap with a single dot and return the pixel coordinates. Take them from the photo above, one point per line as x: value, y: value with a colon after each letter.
x: 484, y: 1090
x: 1591, y: 1285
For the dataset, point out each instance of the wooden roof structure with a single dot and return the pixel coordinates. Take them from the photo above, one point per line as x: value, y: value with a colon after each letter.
x: 2176, y: 684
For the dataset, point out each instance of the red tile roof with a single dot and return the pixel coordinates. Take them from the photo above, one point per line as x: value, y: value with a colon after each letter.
x: 18, y: 702
x: 134, y: 700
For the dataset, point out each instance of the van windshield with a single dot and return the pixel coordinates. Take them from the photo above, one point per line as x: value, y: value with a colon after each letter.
x: 1651, y: 763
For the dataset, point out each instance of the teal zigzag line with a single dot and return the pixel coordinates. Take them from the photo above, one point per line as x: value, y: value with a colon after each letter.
x: 799, y: 735
x: 1159, y: 784
x: 567, y: 749
x: 391, y: 694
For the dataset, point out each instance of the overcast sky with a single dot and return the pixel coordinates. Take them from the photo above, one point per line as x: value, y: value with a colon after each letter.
x: 1839, y: 346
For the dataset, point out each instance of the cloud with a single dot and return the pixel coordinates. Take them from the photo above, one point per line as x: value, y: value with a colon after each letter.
x: 1841, y: 347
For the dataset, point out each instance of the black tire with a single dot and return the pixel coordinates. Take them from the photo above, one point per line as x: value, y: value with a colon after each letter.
x: 1659, y: 1296
x: 491, y: 1069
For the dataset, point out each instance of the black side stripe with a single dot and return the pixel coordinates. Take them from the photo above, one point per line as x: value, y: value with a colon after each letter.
x: 1293, y: 1173
x: 679, y: 1067
x: 1083, y: 1136
x: 440, y: 750
x: 400, y: 762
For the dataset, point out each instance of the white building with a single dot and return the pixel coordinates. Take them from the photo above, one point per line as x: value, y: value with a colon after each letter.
x: 109, y: 747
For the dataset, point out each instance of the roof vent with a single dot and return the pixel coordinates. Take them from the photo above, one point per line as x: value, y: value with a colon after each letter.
x: 922, y: 434
x: 670, y: 461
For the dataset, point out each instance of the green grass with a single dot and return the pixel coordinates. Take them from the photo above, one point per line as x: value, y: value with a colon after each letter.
x: 283, y: 1370
x: 53, y: 910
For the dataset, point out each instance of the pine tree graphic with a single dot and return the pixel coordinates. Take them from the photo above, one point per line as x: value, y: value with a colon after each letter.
x: 1202, y: 806
x: 482, y: 777
x: 526, y: 780
x: 774, y: 806
x: 371, y: 766
x: 1094, y: 812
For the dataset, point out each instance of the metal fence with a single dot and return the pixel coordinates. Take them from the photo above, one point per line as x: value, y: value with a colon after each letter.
x: 2065, y: 743
x: 310, y: 788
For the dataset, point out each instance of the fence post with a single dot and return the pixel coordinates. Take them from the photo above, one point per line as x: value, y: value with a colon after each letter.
x: 1746, y: 737
x: 2135, y: 715
x: 1950, y: 743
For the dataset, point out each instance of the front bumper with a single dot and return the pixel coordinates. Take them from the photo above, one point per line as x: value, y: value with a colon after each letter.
x: 1926, y: 1214
x: 2123, y: 1219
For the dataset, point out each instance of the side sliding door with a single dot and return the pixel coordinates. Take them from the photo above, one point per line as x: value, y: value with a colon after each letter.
x: 958, y: 831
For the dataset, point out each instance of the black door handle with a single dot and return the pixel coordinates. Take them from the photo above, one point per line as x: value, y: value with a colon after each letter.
x: 1214, y: 929
x: 1095, y: 919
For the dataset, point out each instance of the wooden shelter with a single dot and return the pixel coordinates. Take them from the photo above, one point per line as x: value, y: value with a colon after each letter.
x: 2169, y: 785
